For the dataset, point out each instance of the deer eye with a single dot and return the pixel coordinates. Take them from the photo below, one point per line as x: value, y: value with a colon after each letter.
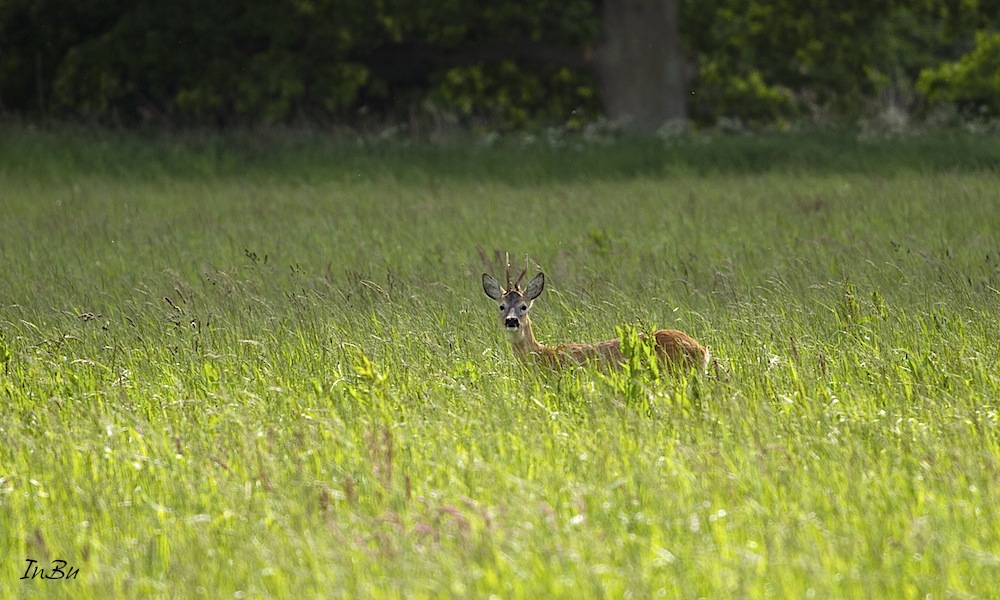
x: 503, y: 307
x: 524, y: 307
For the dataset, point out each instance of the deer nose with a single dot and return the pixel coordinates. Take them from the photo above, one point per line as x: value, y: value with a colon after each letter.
x: 511, y: 323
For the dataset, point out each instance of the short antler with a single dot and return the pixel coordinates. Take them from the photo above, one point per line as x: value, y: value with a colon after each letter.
x: 507, y: 255
x: 517, y: 284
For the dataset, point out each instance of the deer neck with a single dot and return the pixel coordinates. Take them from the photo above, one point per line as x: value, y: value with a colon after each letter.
x: 523, y: 341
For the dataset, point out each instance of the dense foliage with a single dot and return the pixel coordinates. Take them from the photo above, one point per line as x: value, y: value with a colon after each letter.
x: 502, y: 63
x: 787, y: 58
x: 973, y: 81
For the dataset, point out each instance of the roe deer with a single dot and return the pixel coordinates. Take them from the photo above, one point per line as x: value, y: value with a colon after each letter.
x: 674, y: 348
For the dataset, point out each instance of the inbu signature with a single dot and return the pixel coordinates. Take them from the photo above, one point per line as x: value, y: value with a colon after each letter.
x: 57, y: 570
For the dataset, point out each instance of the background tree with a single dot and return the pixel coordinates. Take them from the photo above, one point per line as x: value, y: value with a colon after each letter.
x: 643, y: 69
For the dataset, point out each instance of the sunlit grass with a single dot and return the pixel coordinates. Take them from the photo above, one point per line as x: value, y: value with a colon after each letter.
x: 228, y: 370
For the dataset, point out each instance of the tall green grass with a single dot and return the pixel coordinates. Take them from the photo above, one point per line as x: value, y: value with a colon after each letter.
x: 250, y: 366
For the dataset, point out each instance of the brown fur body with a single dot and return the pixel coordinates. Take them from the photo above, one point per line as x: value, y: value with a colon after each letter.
x: 674, y: 348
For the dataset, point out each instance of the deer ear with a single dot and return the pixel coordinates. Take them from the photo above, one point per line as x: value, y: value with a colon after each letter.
x: 492, y: 287
x: 535, y: 287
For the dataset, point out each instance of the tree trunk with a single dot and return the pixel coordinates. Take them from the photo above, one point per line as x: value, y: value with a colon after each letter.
x: 641, y: 64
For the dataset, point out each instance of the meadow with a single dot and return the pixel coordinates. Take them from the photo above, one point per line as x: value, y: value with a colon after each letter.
x: 262, y: 365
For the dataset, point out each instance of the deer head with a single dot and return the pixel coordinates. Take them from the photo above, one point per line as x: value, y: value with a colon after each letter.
x: 514, y: 302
